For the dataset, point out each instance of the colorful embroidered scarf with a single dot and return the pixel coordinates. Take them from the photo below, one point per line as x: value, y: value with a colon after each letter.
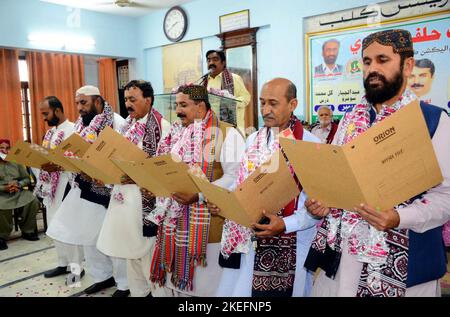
x: 384, y: 254
x: 227, y: 81
x: 97, y: 124
x: 150, y: 134
x: 446, y: 234
x: 183, y: 230
x: 90, y: 190
x: 48, y: 182
x: 275, y: 277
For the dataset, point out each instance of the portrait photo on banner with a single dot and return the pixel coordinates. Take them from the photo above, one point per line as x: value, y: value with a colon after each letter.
x: 335, y: 69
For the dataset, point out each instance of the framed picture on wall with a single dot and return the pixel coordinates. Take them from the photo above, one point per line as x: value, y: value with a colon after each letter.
x: 234, y: 21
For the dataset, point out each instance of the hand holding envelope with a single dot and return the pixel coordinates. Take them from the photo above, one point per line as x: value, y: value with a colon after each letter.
x: 246, y: 204
x: 388, y: 164
x: 51, y: 167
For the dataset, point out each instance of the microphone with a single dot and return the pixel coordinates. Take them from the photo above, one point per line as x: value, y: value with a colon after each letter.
x: 202, y: 79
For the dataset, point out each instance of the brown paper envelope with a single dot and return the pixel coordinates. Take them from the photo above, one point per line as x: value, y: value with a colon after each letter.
x: 170, y: 174
x: 160, y: 175
x: 388, y: 164
x: 75, y: 144
x: 324, y: 173
x: 395, y: 160
x: 61, y: 161
x: 270, y: 188
x: 136, y: 171
x: 111, y: 144
x: 27, y: 154
x: 230, y: 206
x: 92, y: 171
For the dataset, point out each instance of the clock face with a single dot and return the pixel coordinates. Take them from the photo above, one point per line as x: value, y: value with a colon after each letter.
x: 175, y: 24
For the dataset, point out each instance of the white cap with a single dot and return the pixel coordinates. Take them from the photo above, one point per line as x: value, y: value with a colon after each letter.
x: 88, y: 91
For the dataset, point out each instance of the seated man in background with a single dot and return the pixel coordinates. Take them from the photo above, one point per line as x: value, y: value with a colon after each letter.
x: 14, y: 194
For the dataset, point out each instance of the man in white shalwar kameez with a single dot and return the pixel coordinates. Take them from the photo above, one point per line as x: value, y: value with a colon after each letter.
x: 286, y: 236
x: 80, y: 216
x: 125, y: 233
x: 188, y: 237
x: 51, y: 184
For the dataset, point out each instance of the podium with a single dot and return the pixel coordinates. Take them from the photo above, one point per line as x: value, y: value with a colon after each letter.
x: 224, y: 107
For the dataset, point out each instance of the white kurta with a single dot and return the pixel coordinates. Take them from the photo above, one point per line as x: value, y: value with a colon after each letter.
x: 238, y: 282
x: 206, y: 279
x: 52, y: 207
x: 77, y: 220
x: 417, y: 217
x: 121, y: 233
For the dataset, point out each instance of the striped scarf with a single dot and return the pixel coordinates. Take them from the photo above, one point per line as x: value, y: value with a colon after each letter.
x: 183, y: 232
x: 48, y: 182
x: 89, y: 189
x: 149, y: 133
x: 275, y: 257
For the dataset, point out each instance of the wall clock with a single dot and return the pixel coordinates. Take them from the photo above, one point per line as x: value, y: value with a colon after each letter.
x: 175, y: 24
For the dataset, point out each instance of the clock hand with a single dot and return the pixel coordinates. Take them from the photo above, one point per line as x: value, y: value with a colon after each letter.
x: 173, y: 25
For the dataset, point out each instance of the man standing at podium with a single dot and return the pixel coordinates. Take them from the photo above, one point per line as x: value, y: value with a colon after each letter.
x: 219, y: 77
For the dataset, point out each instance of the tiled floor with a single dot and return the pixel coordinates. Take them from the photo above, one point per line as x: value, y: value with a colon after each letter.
x: 22, y: 266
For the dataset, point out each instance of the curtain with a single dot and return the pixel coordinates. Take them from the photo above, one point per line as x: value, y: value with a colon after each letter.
x: 10, y: 102
x: 107, y: 78
x: 53, y: 74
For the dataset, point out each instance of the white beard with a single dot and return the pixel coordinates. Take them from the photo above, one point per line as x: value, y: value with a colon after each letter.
x: 2, y: 156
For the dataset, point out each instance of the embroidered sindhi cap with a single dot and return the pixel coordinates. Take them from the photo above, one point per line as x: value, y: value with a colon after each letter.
x: 400, y: 40
x: 195, y: 92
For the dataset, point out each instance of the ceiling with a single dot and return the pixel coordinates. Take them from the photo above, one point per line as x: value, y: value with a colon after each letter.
x: 138, y: 8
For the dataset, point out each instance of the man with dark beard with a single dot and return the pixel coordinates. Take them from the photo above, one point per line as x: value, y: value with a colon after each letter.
x: 80, y: 217
x: 51, y: 182
x: 386, y: 253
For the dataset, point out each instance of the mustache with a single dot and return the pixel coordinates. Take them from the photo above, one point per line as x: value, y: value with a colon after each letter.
x: 416, y: 86
x: 268, y: 116
x: 377, y: 76
x: 212, y: 66
x: 130, y: 109
x: 181, y: 115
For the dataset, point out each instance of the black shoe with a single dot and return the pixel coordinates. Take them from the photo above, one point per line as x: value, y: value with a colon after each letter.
x: 72, y: 278
x: 60, y: 270
x: 149, y: 295
x: 30, y: 236
x: 3, y: 245
x: 120, y: 293
x: 97, y: 287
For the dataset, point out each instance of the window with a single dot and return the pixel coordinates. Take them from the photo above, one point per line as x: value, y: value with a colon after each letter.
x: 25, y: 97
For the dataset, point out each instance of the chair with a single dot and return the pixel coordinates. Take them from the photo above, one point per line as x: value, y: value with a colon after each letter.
x: 18, y: 211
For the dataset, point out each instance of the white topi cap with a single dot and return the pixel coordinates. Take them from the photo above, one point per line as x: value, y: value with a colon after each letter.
x: 88, y: 91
